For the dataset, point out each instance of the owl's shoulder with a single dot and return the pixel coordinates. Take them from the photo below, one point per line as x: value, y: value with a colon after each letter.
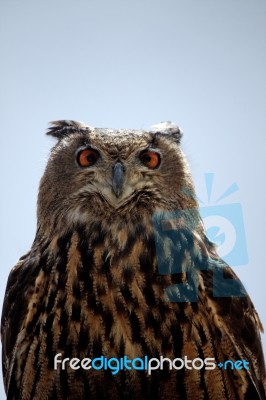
x: 20, y: 281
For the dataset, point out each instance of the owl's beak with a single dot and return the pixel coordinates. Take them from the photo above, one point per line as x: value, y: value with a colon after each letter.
x: 118, y: 178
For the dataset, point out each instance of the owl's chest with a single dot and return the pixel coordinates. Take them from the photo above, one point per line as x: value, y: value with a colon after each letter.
x: 105, y: 299
x: 94, y: 301
x: 108, y: 306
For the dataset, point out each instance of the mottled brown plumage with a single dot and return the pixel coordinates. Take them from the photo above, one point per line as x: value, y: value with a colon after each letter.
x: 119, y: 255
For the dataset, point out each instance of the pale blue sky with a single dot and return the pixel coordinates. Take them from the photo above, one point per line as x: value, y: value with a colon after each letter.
x: 130, y: 64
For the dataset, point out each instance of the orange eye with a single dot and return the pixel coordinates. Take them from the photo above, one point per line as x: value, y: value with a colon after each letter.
x: 87, y: 157
x: 150, y: 159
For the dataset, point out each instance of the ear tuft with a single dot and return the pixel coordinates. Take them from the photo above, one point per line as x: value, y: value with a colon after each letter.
x: 168, y: 128
x: 63, y: 128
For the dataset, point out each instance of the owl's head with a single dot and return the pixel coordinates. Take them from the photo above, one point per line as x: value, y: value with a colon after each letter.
x: 96, y: 173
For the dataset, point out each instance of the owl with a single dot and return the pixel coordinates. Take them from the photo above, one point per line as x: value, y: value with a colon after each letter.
x: 122, y: 295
